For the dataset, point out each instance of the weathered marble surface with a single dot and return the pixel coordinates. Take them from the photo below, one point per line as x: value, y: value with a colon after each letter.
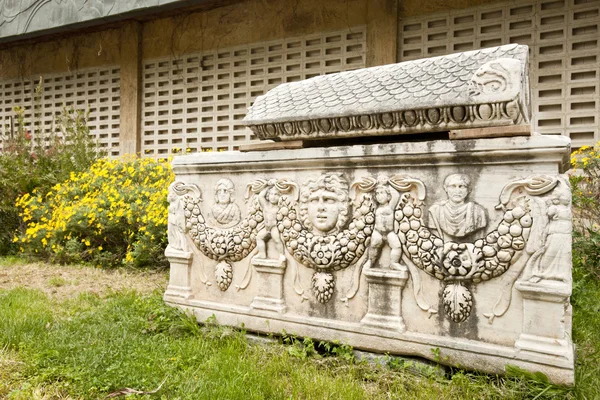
x: 401, y: 248
x: 488, y: 87
x: 19, y: 17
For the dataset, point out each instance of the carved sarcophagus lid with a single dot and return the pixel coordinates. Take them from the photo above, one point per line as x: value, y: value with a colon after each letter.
x: 482, y: 88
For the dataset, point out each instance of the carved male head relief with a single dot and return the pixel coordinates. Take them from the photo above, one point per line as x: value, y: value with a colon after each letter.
x: 324, y: 203
x: 457, y: 187
x: 457, y: 218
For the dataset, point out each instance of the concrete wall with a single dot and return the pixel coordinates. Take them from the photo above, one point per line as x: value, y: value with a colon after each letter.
x: 67, y: 54
x: 129, y: 43
x: 35, y: 17
x: 414, y: 8
x: 248, y: 22
x: 242, y: 23
x: 195, y: 28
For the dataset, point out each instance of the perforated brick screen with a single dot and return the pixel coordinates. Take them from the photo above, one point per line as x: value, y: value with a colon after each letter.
x: 198, y: 101
x: 96, y: 91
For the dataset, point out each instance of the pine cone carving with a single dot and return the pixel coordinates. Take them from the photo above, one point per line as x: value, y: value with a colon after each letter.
x: 223, y: 275
x: 323, y: 284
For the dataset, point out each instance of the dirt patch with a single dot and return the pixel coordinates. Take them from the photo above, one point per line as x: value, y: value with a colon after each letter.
x: 63, y: 282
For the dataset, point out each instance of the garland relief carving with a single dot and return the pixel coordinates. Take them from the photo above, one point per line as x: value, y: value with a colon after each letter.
x: 327, y: 225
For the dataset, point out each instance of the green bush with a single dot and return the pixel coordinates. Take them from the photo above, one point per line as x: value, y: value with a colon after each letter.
x: 585, y: 184
x: 114, y: 213
x: 39, y: 161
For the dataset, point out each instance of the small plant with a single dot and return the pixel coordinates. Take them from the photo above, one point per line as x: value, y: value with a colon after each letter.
x: 172, y: 321
x: 437, y: 356
x: 304, y: 348
x: 338, y: 349
x: 421, y: 368
x: 299, y: 348
x: 537, y: 383
x: 585, y: 185
x: 57, y: 281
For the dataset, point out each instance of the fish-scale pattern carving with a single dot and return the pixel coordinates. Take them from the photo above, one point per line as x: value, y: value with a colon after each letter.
x: 439, y: 81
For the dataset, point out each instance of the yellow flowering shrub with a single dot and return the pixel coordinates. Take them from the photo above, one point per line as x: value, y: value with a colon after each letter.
x: 585, y: 184
x: 38, y: 159
x: 114, y: 213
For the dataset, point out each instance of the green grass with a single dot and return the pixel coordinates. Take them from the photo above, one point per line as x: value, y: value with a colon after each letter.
x: 57, y: 281
x: 90, y: 346
x: 7, y: 261
x: 586, y: 329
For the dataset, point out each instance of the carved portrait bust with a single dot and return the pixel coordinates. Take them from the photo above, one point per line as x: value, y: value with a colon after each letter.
x: 456, y: 218
x: 324, y: 204
x: 224, y: 213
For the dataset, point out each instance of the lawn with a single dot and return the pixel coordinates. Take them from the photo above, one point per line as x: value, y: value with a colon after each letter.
x: 84, y: 333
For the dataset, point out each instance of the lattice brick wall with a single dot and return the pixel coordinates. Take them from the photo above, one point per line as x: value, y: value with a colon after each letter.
x: 563, y: 36
x: 198, y: 101
x: 13, y: 94
x: 95, y: 90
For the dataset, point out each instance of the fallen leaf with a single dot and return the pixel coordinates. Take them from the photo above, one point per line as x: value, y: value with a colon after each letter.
x: 126, y: 391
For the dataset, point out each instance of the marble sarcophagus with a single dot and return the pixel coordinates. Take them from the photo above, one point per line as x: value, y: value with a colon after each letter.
x: 463, y: 246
